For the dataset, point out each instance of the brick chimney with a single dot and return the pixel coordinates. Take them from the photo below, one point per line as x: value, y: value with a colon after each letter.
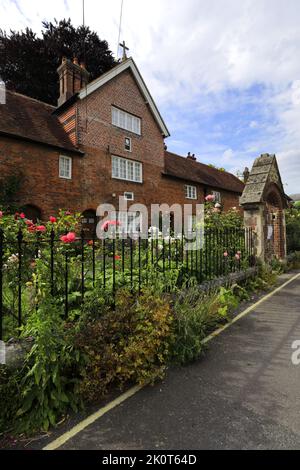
x: 72, y: 77
x: 191, y: 157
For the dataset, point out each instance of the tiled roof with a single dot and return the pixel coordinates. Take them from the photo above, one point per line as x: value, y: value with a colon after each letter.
x: 264, y: 171
x: 184, y: 168
x: 32, y: 120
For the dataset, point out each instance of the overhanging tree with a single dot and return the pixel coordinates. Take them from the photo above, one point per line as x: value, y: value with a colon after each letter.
x: 28, y: 63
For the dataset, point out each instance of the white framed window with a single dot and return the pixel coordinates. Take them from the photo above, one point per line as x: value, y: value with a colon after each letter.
x: 129, y: 196
x: 130, y: 222
x: 65, y: 167
x: 217, y: 195
x: 128, y: 170
x: 127, y: 144
x: 190, y: 192
x: 126, y: 120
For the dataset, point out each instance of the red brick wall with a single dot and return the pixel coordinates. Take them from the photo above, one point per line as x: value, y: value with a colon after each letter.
x: 40, y: 183
x: 91, y: 182
x: 99, y: 140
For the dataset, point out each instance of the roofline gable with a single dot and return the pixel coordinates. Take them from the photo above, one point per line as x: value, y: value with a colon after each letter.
x: 114, y: 72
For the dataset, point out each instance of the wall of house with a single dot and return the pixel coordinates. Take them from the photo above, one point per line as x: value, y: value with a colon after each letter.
x: 228, y: 199
x: 99, y: 139
x: 38, y: 166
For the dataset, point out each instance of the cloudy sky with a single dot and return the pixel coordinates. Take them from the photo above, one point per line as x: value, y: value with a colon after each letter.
x: 224, y: 73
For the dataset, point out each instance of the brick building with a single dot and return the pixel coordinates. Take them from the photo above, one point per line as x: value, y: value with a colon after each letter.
x: 104, y: 140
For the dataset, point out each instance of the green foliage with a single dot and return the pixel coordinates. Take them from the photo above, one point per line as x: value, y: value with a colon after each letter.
x: 28, y: 63
x: 49, y: 375
x: 195, y: 314
x: 128, y: 344
x: 293, y: 228
x: 10, y: 397
x: 294, y: 260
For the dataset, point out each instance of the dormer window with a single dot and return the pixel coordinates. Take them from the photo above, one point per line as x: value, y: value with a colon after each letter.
x: 126, y: 121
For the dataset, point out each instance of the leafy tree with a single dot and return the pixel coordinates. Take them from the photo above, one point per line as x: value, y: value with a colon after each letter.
x: 293, y: 228
x: 28, y: 63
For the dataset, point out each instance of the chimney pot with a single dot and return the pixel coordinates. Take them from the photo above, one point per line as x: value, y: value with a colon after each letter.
x: 191, y: 157
x: 72, y: 79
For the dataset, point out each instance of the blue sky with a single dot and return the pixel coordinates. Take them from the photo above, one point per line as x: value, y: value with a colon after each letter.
x: 225, y: 74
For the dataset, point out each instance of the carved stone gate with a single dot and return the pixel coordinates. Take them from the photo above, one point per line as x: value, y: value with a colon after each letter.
x: 264, y: 202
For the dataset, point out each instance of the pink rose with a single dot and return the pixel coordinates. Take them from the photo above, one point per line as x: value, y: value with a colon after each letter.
x: 1, y: 214
x: 210, y: 198
x: 69, y: 238
x: 225, y: 254
x: 22, y: 215
x: 108, y: 223
x: 238, y: 257
x: 40, y: 228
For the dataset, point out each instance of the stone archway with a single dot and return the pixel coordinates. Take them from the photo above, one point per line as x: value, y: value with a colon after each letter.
x: 264, y: 202
x: 32, y: 212
x: 275, y: 224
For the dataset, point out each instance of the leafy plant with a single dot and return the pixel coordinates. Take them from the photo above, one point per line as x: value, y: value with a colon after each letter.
x: 50, y: 372
x: 195, y: 313
x: 128, y: 344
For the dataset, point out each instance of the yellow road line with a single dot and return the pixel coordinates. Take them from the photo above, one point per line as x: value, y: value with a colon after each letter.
x: 91, y: 419
x: 248, y: 310
x: 98, y: 414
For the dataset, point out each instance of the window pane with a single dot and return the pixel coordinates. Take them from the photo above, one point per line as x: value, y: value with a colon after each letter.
x: 137, y: 169
x: 115, y: 116
x: 126, y: 121
x: 126, y: 169
x: 65, y: 167
x: 130, y: 171
x: 123, y: 169
x: 115, y: 167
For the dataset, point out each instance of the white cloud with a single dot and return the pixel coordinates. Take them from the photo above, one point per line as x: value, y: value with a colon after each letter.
x: 193, y: 53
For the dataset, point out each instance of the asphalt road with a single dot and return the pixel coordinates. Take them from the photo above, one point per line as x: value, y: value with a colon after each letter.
x: 244, y: 394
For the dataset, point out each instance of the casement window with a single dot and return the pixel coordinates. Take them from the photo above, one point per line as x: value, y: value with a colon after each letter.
x: 129, y: 222
x: 128, y: 170
x: 65, y: 167
x: 217, y: 195
x: 126, y: 121
x: 190, y: 192
x: 127, y: 144
x: 128, y: 196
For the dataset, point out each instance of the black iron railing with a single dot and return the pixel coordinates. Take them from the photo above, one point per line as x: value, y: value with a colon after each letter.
x: 69, y: 272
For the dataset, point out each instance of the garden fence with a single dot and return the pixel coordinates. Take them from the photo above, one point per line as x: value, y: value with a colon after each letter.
x: 72, y: 272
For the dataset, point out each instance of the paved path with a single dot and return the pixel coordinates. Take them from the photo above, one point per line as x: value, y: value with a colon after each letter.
x: 244, y: 394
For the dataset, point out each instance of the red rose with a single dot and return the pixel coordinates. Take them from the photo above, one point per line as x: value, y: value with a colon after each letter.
x: 22, y: 215
x: 52, y: 219
x: 41, y: 228
x: 1, y: 214
x: 69, y: 238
